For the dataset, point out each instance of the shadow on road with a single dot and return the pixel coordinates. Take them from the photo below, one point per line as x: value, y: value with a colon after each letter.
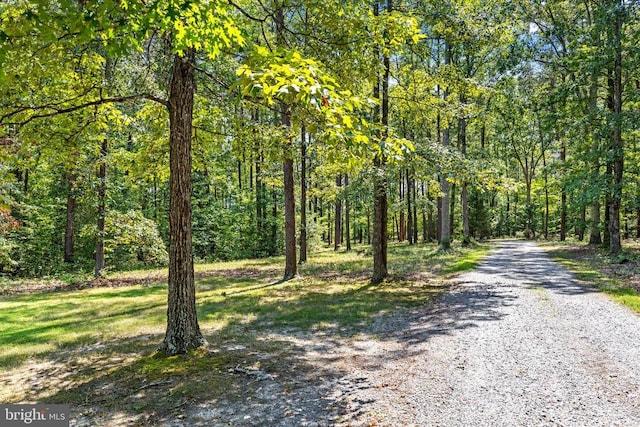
x: 524, y: 262
x: 485, y: 294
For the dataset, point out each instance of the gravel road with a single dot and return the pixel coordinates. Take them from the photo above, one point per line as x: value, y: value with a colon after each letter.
x: 518, y: 342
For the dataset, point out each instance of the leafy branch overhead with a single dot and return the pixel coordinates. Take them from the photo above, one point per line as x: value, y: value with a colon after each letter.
x: 301, y: 84
x: 316, y: 98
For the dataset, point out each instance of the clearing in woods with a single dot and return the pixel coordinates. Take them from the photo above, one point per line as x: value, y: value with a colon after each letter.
x: 517, y: 341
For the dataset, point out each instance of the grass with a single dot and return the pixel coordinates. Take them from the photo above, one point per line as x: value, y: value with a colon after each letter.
x: 618, y: 277
x: 107, y: 335
x: 465, y: 261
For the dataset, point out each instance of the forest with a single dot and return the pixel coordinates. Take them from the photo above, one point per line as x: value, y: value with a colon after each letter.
x: 140, y: 133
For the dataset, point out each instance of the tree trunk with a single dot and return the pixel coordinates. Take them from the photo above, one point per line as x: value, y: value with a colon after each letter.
x: 563, y: 201
x: 409, y: 210
x: 260, y: 199
x: 303, y: 196
x: 508, y: 216
x: 291, y: 266
x: 594, y: 209
x: 25, y: 183
x: 594, y: 226
x: 338, y: 215
x: 530, y: 232
x: 415, y: 208
x: 462, y: 141
x: 583, y: 220
x: 368, y: 227
x: 452, y: 208
x: 439, y: 217
x: 466, y: 235
x: 445, y: 232
x: 347, y: 214
x: 183, y: 332
x: 71, y: 219
x: 546, y: 194
x: 606, y: 235
x: 329, y: 227
x: 617, y: 149
x: 380, y: 270
x: 273, y: 242
x: 102, y: 190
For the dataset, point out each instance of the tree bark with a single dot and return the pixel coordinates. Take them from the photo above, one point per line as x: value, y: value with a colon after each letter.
x: 462, y: 141
x: 273, y: 242
x: 347, y: 214
x: 71, y: 219
x: 508, y: 216
x: 617, y: 149
x: 409, y: 210
x: 594, y: 209
x: 368, y: 227
x: 563, y: 201
x: 606, y: 234
x: 260, y: 203
x: 183, y: 332
x: 338, y: 215
x: 452, y: 207
x: 594, y: 220
x: 445, y: 232
x: 25, y: 182
x: 303, y: 196
x: 402, y: 231
x: 380, y: 270
x: 415, y: 207
x: 329, y: 227
x: 102, y: 191
x: 291, y: 266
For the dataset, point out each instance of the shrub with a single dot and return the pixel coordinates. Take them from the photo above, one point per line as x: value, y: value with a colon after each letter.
x: 131, y: 240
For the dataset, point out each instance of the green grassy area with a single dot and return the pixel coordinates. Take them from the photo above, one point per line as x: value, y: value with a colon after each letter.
x: 112, y: 332
x: 618, y: 277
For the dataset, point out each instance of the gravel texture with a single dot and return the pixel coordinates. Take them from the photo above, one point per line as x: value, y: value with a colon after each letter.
x: 517, y: 342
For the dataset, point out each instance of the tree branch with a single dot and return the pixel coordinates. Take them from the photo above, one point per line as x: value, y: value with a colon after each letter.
x: 58, y: 111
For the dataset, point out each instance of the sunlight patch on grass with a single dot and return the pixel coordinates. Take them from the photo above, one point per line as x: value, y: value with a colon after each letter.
x: 35, y: 324
x: 625, y: 295
x: 467, y: 260
x: 590, y: 269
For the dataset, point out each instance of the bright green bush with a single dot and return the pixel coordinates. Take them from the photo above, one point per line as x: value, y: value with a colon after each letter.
x: 131, y: 240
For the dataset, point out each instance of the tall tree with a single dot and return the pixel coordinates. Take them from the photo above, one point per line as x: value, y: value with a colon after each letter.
x: 445, y: 224
x: 381, y: 92
x: 303, y: 195
x: 616, y: 12
x: 183, y: 332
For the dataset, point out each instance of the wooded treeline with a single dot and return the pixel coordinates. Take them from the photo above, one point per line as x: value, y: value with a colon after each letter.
x: 153, y: 132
